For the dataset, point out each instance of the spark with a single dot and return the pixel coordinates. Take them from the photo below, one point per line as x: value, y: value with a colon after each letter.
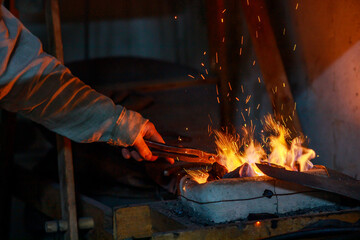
x: 237, y: 99
x: 191, y: 76
x: 222, y: 20
x: 202, y: 64
x: 257, y: 108
x: 224, y: 11
x: 254, y: 63
x: 202, y: 76
x: 242, y: 39
x: 218, y: 100
x: 223, y: 39
x: 259, y: 18
x: 283, y: 84
x: 247, y: 99
x: 284, y: 31
x: 249, y: 112
x: 230, y: 86
x: 297, y: 6
x: 294, y: 47
x: 256, y: 34
x: 243, y: 116
x: 205, y: 53
x: 207, y: 73
x: 257, y: 224
x: 175, y: 17
x: 259, y: 80
x: 216, y: 57
x: 295, y: 106
x: 210, y: 119
x: 248, y: 2
x: 220, y: 68
x: 242, y: 88
x: 240, y: 51
x: 217, y: 89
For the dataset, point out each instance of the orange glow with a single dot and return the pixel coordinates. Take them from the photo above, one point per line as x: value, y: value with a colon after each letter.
x: 200, y: 176
x: 234, y: 151
x: 257, y: 224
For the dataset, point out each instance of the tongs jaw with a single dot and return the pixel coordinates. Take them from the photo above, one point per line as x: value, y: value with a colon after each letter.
x: 180, y: 153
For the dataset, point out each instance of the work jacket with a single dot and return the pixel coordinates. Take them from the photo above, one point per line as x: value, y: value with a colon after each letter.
x: 37, y: 86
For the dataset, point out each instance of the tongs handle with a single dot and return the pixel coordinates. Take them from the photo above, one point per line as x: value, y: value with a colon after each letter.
x: 184, y: 154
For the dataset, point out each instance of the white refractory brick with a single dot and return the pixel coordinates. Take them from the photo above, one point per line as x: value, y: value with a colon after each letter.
x: 232, y: 199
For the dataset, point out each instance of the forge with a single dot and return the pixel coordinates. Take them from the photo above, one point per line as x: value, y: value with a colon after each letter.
x: 228, y: 200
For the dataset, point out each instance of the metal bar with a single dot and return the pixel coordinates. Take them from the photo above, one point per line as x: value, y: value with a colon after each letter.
x: 65, y: 162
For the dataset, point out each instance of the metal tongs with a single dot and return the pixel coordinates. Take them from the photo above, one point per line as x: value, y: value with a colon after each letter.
x: 181, y: 153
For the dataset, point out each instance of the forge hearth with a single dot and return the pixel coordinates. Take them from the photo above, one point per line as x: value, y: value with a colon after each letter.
x: 232, y: 199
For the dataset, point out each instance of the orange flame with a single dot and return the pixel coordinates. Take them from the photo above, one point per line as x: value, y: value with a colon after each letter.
x: 294, y: 157
x: 235, y: 150
x: 200, y: 176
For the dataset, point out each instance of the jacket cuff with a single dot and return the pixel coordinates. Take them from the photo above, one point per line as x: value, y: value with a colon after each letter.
x: 127, y: 128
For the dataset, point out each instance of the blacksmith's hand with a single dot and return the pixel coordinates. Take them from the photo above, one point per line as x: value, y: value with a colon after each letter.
x: 142, y: 150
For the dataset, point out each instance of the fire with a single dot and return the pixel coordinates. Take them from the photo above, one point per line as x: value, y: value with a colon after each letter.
x: 284, y: 152
x: 241, y: 152
x: 200, y: 176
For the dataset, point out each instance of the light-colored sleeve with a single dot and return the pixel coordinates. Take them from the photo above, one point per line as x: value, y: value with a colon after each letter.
x: 37, y: 86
